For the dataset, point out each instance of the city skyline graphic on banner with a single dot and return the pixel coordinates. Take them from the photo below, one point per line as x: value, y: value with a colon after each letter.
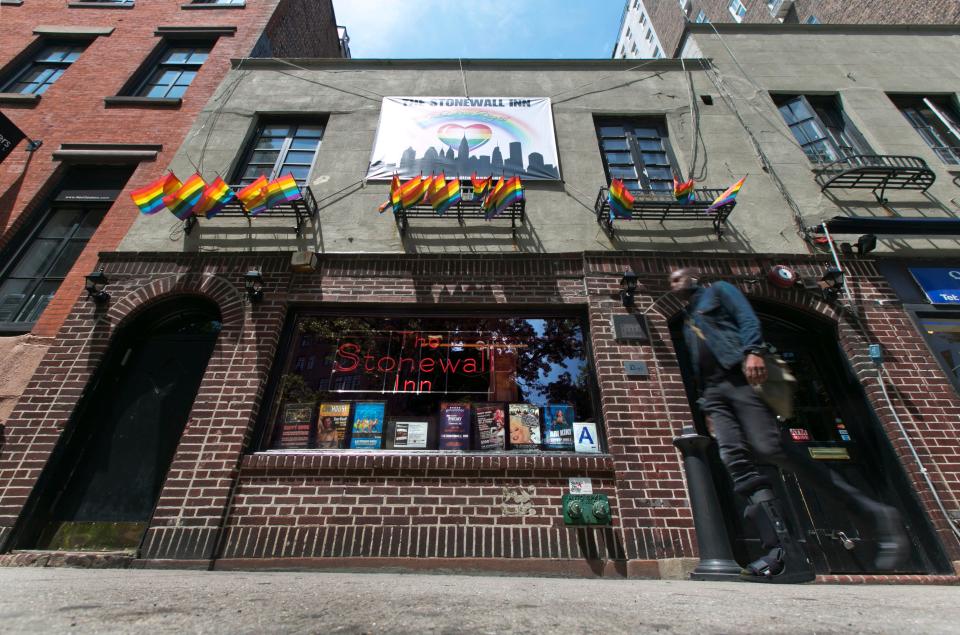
x: 459, y: 136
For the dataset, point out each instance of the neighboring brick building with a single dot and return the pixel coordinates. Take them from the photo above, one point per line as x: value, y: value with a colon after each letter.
x: 225, y: 396
x: 95, y: 115
x: 653, y: 28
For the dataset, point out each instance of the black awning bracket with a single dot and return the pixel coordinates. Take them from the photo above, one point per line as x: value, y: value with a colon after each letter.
x: 662, y: 206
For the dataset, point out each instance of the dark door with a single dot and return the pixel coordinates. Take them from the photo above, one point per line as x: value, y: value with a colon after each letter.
x: 103, y: 485
x: 835, y: 425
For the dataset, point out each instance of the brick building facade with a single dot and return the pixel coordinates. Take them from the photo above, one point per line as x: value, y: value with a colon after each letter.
x: 235, y: 497
x: 81, y: 122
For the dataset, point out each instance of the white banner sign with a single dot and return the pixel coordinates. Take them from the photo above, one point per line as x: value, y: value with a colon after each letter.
x: 459, y: 136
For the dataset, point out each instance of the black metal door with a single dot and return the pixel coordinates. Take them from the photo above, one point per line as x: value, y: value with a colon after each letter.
x: 103, y: 488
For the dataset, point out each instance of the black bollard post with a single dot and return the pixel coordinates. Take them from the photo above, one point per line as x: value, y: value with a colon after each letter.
x: 716, y: 557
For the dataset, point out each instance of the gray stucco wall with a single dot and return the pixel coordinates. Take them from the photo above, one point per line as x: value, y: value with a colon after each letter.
x: 859, y: 67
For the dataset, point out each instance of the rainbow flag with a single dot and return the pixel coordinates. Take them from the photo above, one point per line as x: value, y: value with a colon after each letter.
x: 254, y: 196
x: 444, y: 194
x: 480, y: 185
x: 394, y: 199
x: 150, y: 198
x: 214, y: 198
x: 621, y: 200
x: 182, y: 202
x: 413, y: 191
x: 428, y: 185
x: 728, y: 197
x: 511, y: 192
x: 281, y: 190
x: 683, y: 192
x: 490, y: 201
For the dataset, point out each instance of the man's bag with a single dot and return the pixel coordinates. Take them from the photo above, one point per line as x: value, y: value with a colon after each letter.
x: 777, y: 391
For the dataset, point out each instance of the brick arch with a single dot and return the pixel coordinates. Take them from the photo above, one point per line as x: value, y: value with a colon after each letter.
x: 226, y: 296
x: 794, y: 297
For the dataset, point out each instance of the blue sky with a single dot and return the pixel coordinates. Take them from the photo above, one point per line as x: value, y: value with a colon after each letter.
x: 549, y: 29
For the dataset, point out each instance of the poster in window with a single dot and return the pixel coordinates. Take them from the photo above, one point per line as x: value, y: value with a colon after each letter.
x: 558, y: 427
x: 585, y: 437
x: 454, y: 426
x: 491, y: 421
x: 295, y: 426
x: 410, y: 434
x: 367, y: 425
x: 332, y: 419
x: 524, y: 426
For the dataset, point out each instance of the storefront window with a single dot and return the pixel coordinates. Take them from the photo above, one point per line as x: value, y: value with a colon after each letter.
x: 943, y: 335
x: 423, y: 383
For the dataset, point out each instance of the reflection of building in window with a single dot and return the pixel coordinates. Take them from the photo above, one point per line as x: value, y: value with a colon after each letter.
x: 943, y: 336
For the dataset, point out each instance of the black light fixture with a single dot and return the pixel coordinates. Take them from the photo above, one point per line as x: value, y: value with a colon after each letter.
x: 866, y: 244
x: 831, y: 283
x: 253, y: 284
x: 96, y: 281
x: 628, y: 286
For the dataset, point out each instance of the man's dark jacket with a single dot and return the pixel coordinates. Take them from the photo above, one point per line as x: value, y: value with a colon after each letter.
x: 726, y: 319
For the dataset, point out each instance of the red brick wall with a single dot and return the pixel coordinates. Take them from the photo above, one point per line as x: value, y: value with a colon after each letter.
x: 446, y: 506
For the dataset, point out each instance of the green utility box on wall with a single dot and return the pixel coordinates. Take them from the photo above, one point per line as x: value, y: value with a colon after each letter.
x: 586, y: 509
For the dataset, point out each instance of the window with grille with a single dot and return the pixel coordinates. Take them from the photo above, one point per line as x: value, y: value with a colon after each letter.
x: 44, y: 68
x: 637, y: 152
x: 936, y: 121
x: 821, y: 127
x: 278, y: 148
x: 174, y: 70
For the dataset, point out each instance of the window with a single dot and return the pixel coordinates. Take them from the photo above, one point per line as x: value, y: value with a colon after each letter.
x: 28, y: 282
x: 701, y: 17
x: 449, y: 382
x: 821, y: 127
x: 643, y: 19
x: 628, y: 33
x: 936, y: 121
x: 174, y: 71
x: 942, y: 332
x: 279, y: 148
x: 637, y: 152
x: 737, y: 10
x: 813, y: 20
x: 44, y: 68
x: 656, y: 52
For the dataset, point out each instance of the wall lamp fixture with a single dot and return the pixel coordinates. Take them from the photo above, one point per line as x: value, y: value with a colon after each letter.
x: 96, y: 281
x: 628, y: 287
x: 253, y: 284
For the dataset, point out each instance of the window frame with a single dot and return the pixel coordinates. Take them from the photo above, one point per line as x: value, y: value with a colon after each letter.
x: 636, y: 152
x: 827, y: 113
x: 946, y: 122
x: 30, y: 61
x: 154, y: 63
x: 737, y: 9
x: 250, y: 147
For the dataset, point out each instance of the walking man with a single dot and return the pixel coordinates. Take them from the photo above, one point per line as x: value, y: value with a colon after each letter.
x: 723, y: 335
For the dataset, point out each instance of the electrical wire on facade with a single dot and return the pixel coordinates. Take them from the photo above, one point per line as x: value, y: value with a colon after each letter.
x: 463, y: 78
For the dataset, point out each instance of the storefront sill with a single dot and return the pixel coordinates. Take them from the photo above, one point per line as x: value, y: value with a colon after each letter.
x: 379, y: 462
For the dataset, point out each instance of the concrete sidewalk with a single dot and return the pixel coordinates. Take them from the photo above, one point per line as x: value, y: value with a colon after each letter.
x: 85, y: 601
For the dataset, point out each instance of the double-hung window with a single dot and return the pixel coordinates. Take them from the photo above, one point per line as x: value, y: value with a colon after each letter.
x: 174, y: 70
x: 279, y: 148
x: 44, y: 68
x: 637, y: 152
x: 737, y: 10
x: 821, y: 127
x: 936, y: 121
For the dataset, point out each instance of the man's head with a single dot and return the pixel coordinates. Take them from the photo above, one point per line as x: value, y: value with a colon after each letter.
x: 685, y: 281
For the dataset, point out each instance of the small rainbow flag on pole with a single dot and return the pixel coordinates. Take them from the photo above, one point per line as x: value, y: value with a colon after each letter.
x: 728, y: 197
x: 510, y: 193
x: 182, y: 202
x: 480, y: 185
x: 282, y: 190
x: 621, y: 200
x: 394, y: 198
x: 150, y: 198
x: 490, y: 201
x: 413, y: 191
x: 444, y: 194
x: 254, y: 196
x: 683, y: 192
x: 214, y: 198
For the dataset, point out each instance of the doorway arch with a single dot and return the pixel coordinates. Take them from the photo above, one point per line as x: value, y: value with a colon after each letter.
x: 101, y: 484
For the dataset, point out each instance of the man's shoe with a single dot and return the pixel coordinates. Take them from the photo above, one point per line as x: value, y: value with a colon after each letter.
x: 778, y: 568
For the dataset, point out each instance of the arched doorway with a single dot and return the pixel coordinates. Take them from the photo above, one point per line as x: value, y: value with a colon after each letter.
x: 101, y: 485
x: 835, y: 424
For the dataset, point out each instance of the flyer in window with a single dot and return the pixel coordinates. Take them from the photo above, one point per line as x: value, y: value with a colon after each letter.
x: 410, y: 434
x: 332, y: 419
x: 524, y: 426
x: 585, y: 437
x: 295, y: 426
x: 558, y: 427
x: 491, y: 421
x: 454, y: 426
x: 367, y: 425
